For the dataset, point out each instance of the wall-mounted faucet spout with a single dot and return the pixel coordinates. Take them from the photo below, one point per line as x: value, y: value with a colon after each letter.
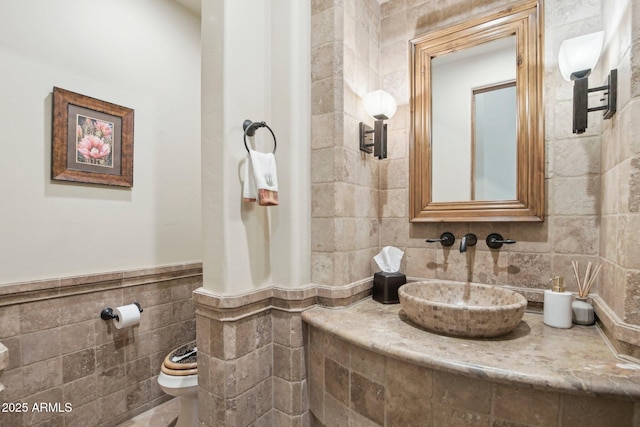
x: 468, y: 239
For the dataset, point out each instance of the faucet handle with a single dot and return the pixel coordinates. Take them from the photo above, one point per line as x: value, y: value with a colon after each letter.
x: 446, y: 239
x: 495, y: 241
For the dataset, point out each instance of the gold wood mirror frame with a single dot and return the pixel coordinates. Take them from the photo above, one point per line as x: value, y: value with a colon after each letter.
x: 523, y: 21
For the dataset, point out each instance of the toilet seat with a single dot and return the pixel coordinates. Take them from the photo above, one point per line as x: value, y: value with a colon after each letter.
x: 187, y: 366
x: 178, y: 372
x: 175, y: 382
x: 184, y: 363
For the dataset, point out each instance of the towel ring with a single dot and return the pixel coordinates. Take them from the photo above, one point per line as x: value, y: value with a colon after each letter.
x: 250, y: 129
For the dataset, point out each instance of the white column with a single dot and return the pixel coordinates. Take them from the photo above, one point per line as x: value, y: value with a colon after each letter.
x: 255, y: 65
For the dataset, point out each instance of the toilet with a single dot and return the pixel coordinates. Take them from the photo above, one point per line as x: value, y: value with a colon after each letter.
x: 179, y: 377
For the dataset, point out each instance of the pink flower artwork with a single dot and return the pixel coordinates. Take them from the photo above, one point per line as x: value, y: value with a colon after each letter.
x: 94, y: 139
x: 104, y: 128
x: 92, y: 147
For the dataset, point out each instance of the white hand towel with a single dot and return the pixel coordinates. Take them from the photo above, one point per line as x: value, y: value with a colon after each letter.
x: 249, y: 189
x: 262, y: 168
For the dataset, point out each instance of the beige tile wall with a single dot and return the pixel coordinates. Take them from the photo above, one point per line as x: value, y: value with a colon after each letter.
x: 352, y: 386
x: 235, y: 371
x: 252, y: 353
x: 60, y: 351
x: 252, y: 359
x: 344, y: 181
x: 570, y: 230
x: 620, y: 167
x: 359, y: 204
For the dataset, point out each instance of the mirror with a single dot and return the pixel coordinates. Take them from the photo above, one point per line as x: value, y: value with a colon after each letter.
x: 477, y: 151
x: 474, y: 120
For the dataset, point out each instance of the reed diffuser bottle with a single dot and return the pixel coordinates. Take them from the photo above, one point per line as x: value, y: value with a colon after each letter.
x: 557, y: 305
x: 582, y: 310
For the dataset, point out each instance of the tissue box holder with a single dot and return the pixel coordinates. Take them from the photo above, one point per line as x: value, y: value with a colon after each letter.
x: 385, y: 286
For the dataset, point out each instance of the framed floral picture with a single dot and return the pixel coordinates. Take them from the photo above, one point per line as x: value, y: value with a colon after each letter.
x: 92, y: 140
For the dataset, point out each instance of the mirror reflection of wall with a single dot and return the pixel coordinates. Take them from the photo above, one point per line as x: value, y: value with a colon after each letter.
x: 453, y: 80
x: 494, y: 144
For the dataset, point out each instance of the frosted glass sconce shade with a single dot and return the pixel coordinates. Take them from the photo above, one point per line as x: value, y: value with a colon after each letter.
x: 579, y: 55
x: 379, y: 105
x: 576, y: 59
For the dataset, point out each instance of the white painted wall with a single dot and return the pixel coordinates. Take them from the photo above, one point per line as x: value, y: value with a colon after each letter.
x: 142, y: 54
x: 255, y: 59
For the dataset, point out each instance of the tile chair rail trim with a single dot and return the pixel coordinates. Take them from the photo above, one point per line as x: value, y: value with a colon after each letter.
x: 29, y: 291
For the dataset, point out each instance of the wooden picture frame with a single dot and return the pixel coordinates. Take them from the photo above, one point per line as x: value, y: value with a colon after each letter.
x: 92, y: 140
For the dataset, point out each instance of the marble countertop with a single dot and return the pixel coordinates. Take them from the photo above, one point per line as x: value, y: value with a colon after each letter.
x: 576, y: 360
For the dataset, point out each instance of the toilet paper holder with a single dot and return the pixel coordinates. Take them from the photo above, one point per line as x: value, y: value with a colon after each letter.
x: 107, y: 313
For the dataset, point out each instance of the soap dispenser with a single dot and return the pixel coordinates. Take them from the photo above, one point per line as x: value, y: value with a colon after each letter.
x: 557, y: 305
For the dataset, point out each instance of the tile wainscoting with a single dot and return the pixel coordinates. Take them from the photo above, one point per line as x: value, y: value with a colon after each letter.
x: 256, y: 343
x: 61, y: 352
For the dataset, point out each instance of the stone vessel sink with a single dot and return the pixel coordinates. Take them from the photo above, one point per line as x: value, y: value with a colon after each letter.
x: 462, y: 309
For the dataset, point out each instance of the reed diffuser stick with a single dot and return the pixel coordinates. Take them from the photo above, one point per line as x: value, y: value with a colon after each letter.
x: 592, y: 280
x: 575, y: 272
x: 586, y: 276
x: 590, y: 275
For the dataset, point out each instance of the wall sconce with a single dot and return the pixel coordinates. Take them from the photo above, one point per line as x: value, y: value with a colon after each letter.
x: 381, y: 106
x: 576, y: 59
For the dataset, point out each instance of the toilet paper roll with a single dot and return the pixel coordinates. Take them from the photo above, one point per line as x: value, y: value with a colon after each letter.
x: 128, y: 315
